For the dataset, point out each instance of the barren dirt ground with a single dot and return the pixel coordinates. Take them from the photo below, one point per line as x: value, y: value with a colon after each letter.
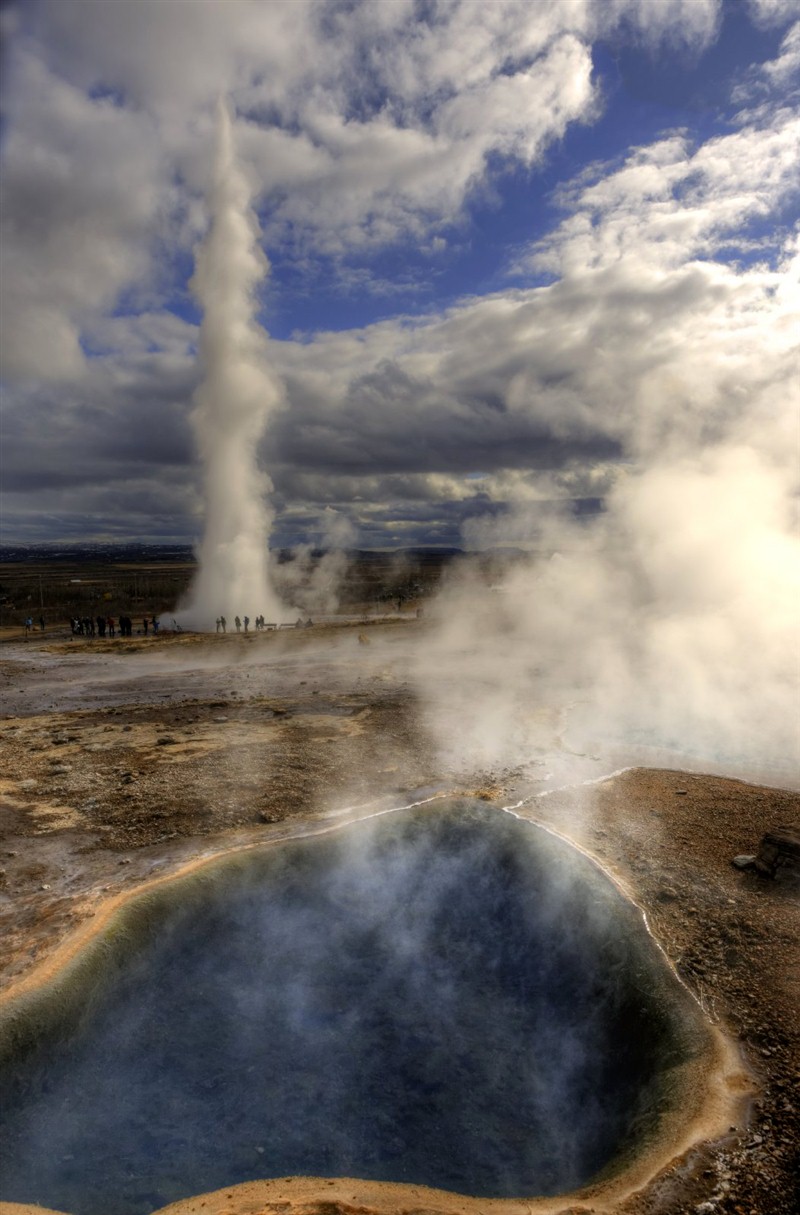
x: 122, y: 760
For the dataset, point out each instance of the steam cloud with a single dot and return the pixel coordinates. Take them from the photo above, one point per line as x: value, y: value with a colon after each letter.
x: 237, y: 396
x: 314, y: 580
x: 668, y: 623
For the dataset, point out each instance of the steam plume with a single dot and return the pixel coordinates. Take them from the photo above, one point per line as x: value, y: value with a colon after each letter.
x: 236, y: 397
x: 670, y: 623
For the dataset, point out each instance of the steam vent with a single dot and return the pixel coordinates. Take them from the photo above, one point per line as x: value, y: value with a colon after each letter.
x: 443, y: 997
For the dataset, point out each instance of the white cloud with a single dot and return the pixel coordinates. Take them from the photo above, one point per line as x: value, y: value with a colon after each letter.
x: 74, y: 232
x: 773, y: 12
x: 785, y: 70
x: 361, y: 125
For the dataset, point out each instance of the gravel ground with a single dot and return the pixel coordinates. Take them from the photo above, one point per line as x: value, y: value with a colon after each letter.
x: 121, y: 762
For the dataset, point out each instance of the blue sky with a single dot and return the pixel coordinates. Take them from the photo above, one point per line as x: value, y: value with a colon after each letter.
x: 519, y: 252
x: 645, y: 91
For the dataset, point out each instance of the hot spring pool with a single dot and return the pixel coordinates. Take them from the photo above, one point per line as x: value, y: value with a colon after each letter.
x: 442, y: 996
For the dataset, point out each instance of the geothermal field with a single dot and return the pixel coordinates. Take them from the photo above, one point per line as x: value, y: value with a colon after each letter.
x: 399, y: 752
x: 266, y: 927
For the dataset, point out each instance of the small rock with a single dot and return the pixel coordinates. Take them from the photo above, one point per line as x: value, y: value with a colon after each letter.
x: 743, y: 861
x: 166, y: 741
x: 219, y: 720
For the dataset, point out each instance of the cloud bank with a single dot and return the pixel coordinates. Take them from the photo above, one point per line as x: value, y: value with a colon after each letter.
x: 660, y: 310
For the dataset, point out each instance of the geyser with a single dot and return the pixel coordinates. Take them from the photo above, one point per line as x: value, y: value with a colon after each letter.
x: 236, y: 396
x: 447, y: 997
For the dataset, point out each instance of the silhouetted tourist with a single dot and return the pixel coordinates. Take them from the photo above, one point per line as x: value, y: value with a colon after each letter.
x: 41, y: 623
x: 155, y: 624
x: 224, y: 624
x: 145, y: 625
x: 238, y: 623
x: 246, y: 623
x: 111, y: 626
x: 101, y: 626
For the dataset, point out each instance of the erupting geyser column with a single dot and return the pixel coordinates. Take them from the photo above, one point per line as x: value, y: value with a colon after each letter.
x: 236, y: 396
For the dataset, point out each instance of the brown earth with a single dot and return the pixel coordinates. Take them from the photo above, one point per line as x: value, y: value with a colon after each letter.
x: 121, y: 762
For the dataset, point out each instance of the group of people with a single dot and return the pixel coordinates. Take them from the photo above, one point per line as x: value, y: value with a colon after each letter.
x: 106, y: 626
x: 259, y: 624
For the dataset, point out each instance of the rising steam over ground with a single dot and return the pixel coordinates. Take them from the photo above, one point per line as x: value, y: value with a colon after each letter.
x: 669, y: 621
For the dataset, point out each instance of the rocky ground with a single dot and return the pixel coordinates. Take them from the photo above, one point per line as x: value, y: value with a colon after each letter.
x: 734, y: 939
x: 122, y: 761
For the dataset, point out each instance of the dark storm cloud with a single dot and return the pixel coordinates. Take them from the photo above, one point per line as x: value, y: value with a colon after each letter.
x: 387, y: 421
x: 101, y: 430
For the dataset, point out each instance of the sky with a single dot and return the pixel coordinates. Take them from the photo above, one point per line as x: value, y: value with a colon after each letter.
x: 519, y: 254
